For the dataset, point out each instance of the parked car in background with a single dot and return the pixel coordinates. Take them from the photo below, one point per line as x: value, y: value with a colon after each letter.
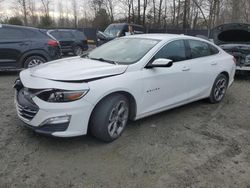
x: 234, y: 38
x: 25, y: 47
x: 117, y: 30
x: 71, y: 41
x: 128, y: 78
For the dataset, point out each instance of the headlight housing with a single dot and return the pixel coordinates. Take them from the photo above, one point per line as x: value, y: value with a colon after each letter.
x: 57, y: 96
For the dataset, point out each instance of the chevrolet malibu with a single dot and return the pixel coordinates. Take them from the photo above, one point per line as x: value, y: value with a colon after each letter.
x: 126, y: 79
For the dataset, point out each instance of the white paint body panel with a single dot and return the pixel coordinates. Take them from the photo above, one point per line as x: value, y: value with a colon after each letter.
x: 154, y: 90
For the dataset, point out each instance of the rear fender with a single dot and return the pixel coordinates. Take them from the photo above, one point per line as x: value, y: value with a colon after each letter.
x: 41, y: 53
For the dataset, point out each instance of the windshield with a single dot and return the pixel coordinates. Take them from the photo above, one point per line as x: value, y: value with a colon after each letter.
x: 113, y: 30
x: 123, y: 50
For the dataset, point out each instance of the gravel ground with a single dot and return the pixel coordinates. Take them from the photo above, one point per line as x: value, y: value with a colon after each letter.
x: 198, y: 145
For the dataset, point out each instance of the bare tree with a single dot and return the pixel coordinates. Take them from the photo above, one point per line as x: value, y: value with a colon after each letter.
x: 23, y: 5
x: 109, y: 5
x: 139, y: 12
x: 46, y: 6
x: 145, y: 4
x: 236, y: 10
x: 75, y: 12
x: 32, y: 12
x: 174, y: 12
x: 154, y: 11
x: 159, y: 12
x: 246, y: 11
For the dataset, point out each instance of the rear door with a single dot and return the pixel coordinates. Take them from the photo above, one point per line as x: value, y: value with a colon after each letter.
x: 13, y: 43
x: 203, y: 67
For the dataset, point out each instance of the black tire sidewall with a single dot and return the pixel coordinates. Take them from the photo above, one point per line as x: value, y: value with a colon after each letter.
x: 100, y: 117
x: 27, y: 61
x: 212, y: 97
x: 75, y: 48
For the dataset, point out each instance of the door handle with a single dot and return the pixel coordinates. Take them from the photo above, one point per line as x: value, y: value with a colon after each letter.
x: 185, y: 69
x: 214, y: 63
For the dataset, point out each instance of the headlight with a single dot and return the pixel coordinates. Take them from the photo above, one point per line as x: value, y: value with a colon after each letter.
x: 56, y: 96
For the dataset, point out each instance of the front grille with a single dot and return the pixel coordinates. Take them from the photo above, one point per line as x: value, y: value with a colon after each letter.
x: 26, y: 108
x: 26, y: 113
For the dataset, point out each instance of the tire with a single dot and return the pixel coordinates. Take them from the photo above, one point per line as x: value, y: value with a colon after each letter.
x: 33, y: 61
x: 77, y: 51
x: 106, y: 123
x: 219, y: 89
x: 65, y: 53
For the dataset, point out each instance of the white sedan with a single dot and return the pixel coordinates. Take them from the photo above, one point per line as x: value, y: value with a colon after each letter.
x: 126, y: 79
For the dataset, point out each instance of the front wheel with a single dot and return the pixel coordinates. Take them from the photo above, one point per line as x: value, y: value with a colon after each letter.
x: 219, y: 89
x: 110, y: 118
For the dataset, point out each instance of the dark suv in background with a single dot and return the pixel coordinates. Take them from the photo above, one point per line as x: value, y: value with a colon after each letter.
x: 71, y: 41
x: 25, y: 47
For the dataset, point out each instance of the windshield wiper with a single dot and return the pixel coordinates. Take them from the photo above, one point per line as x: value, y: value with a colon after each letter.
x: 105, y: 60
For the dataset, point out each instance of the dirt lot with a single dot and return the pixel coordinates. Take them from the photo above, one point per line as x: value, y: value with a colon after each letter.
x: 198, y: 145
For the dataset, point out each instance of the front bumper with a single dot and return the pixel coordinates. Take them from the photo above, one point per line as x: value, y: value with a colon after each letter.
x: 36, y: 113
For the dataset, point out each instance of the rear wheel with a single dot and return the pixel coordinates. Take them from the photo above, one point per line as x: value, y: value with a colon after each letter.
x: 219, y: 89
x: 110, y: 118
x: 33, y: 61
x: 78, y: 51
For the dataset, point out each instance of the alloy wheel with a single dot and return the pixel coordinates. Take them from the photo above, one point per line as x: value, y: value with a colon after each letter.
x: 220, y: 89
x: 34, y: 62
x: 118, y: 119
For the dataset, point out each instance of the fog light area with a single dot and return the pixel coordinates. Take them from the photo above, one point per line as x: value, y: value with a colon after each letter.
x: 57, y: 120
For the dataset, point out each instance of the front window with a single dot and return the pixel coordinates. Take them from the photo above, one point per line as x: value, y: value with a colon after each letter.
x: 174, y: 50
x: 113, y: 30
x: 123, y: 50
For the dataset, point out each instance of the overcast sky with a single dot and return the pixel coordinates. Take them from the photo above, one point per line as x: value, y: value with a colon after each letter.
x: 8, y: 6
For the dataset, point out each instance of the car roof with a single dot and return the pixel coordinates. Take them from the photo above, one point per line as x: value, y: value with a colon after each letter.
x: 69, y: 30
x: 124, y: 24
x: 19, y: 26
x: 164, y: 37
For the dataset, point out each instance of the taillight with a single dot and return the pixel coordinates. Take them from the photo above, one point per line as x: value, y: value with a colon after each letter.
x: 53, y: 43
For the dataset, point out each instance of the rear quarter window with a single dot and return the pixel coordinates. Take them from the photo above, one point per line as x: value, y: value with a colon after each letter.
x: 80, y: 35
x: 55, y: 34
x: 66, y: 35
x: 213, y: 50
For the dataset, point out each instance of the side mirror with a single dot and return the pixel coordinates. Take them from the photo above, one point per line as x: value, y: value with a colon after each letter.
x: 161, y: 63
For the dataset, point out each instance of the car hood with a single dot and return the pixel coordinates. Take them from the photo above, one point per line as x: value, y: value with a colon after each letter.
x: 231, y: 33
x: 76, y: 69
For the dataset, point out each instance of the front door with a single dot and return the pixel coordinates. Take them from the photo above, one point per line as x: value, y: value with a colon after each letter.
x: 167, y: 86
